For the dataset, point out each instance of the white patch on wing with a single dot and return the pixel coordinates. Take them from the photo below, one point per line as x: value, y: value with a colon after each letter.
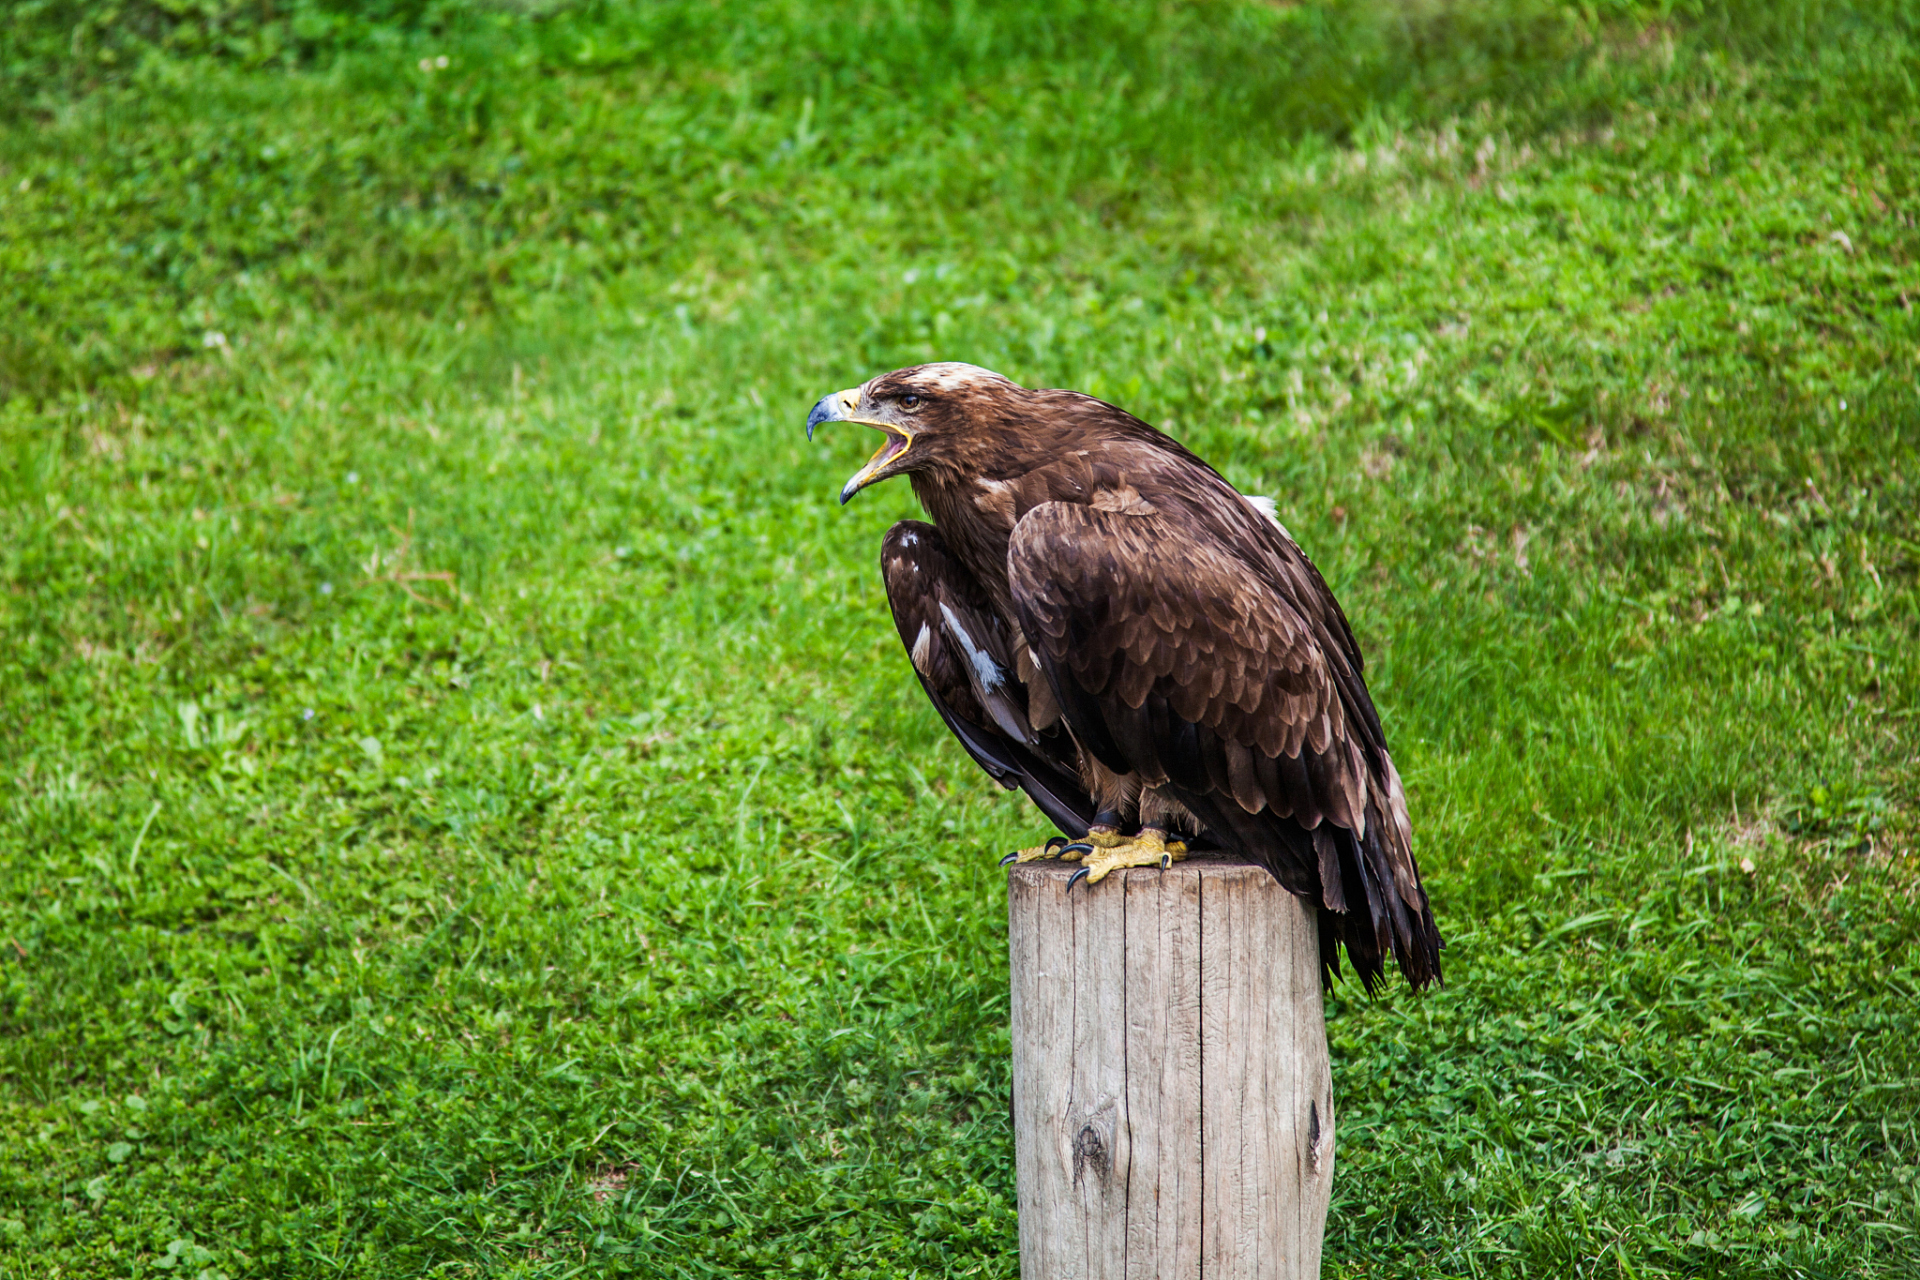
x: 995, y: 495
x: 922, y: 649
x: 984, y: 666
x: 1264, y: 505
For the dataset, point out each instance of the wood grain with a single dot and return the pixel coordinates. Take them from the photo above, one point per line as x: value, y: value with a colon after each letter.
x: 1173, y: 1106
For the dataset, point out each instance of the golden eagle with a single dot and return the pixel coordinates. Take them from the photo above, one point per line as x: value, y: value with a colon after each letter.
x: 1106, y: 623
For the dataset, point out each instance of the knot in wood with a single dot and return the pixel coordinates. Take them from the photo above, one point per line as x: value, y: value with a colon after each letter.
x: 1093, y: 1142
x: 1090, y: 1151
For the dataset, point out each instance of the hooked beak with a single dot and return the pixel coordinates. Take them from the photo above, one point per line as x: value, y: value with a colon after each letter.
x: 839, y: 407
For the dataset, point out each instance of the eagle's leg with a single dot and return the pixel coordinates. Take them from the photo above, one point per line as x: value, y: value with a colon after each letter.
x: 1150, y: 848
x: 1105, y: 831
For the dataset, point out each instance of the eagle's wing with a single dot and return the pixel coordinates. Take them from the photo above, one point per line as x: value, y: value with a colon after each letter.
x: 962, y: 651
x: 1174, y: 659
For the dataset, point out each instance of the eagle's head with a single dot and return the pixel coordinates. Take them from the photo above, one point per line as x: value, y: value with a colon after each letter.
x: 929, y: 414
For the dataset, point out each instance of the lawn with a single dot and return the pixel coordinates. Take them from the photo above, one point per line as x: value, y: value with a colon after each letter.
x: 466, y: 810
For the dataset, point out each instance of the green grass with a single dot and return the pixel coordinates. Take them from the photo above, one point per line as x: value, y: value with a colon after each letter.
x: 467, y: 812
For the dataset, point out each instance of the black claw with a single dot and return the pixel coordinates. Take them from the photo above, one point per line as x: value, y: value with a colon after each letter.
x: 1009, y: 859
x: 1056, y: 843
x: 1077, y: 877
x: 1078, y: 846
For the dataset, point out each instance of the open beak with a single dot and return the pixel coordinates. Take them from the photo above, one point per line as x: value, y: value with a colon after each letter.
x: 839, y: 407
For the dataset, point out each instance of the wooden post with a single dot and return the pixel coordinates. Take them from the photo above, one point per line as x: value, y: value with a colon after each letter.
x: 1172, y: 1101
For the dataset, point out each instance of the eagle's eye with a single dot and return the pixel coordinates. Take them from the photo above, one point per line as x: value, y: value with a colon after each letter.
x: 910, y: 401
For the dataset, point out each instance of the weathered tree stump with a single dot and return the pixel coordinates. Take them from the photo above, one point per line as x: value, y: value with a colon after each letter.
x: 1172, y: 1101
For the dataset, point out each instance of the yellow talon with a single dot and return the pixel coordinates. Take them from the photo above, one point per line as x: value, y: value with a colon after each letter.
x: 1150, y: 848
x: 1105, y: 849
x: 1099, y: 837
x: 1053, y: 848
